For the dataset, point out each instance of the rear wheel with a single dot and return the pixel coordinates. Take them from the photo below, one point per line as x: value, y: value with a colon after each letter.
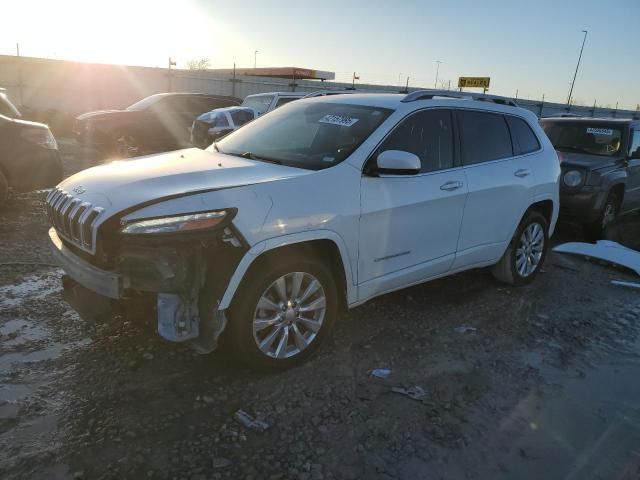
x: 283, y: 313
x: 607, y: 216
x: 4, y: 189
x: 526, y: 252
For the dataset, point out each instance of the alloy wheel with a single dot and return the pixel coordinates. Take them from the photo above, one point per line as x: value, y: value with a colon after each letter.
x: 289, y: 315
x: 530, y: 249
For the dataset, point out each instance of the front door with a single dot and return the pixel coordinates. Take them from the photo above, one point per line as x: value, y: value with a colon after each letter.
x: 409, y: 224
x: 632, y: 195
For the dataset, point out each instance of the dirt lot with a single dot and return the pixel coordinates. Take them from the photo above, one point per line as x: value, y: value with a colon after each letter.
x: 545, y: 384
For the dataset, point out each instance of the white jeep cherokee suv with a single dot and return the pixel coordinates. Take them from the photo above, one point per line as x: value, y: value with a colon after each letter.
x: 325, y: 202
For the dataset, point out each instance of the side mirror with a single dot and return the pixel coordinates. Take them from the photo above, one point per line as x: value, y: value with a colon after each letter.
x: 398, y: 162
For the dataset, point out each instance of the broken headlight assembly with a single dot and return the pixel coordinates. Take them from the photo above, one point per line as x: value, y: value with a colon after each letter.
x: 188, y: 223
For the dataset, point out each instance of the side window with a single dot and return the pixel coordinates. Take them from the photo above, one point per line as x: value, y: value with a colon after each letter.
x: 284, y: 100
x: 240, y: 117
x: 220, y: 120
x: 428, y: 135
x: 635, y: 142
x: 484, y: 137
x: 525, y: 141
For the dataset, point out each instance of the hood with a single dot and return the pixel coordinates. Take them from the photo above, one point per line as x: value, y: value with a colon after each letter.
x: 100, y: 113
x: 587, y: 161
x: 120, y: 185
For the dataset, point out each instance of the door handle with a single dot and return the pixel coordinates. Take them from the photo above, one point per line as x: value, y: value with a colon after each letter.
x: 523, y: 172
x: 449, y: 186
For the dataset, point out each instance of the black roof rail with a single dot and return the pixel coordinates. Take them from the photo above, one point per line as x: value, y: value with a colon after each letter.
x: 482, y: 97
x: 324, y: 93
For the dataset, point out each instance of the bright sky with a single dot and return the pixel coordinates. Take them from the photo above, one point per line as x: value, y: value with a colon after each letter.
x: 527, y: 45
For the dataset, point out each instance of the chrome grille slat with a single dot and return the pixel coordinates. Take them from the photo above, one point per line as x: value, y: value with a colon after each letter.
x: 73, y: 219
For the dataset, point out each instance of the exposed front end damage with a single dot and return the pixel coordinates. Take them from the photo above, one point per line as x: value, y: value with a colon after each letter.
x: 181, y: 279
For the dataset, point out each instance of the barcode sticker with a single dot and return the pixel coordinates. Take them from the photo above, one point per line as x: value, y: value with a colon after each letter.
x: 339, y: 120
x: 600, y: 131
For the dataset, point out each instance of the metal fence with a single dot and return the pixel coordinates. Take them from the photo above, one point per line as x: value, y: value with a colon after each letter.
x: 73, y: 88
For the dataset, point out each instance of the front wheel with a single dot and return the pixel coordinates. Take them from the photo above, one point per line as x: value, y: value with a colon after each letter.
x: 607, y: 216
x: 526, y: 252
x: 283, y: 312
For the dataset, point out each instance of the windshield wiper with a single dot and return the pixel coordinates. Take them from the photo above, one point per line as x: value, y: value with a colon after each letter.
x: 260, y: 158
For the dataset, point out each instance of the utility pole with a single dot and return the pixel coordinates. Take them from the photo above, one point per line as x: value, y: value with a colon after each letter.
x: 615, y: 111
x: 437, y: 71
x: 449, y: 87
x: 516, y: 94
x: 255, y: 58
x: 577, y: 67
x: 172, y: 63
x: 541, y: 106
x: 406, y: 88
x: 353, y: 81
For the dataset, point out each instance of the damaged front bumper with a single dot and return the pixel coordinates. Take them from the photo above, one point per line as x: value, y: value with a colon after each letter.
x: 179, y: 283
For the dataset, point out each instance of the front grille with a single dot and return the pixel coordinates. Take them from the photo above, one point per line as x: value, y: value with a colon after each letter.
x: 73, y: 219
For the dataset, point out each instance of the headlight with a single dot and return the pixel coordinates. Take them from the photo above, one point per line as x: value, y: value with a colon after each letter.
x: 573, y: 178
x: 181, y: 223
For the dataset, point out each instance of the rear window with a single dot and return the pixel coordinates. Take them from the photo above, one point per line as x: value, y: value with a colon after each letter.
x: 584, y: 137
x: 484, y: 137
x: 525, y: 141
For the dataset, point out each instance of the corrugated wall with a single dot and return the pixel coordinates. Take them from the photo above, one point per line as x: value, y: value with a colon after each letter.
x: 74, y: 87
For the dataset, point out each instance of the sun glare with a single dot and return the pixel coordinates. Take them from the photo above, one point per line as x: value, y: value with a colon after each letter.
x: 120, y: 32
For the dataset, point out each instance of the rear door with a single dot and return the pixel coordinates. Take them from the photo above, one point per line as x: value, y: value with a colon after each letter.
x: 500, y: 183
x: 409, y: 224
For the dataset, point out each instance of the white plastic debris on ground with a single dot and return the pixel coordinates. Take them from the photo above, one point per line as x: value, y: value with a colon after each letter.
x: 622, y: 283
x: 604, y: 250
x: 249, y: 422
x: 380, y: 372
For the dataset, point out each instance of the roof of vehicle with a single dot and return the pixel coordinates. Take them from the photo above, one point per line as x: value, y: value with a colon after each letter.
x: 620, y: 121
x: 167, y: 94
x: 449, y: 99
x: 281, y: 94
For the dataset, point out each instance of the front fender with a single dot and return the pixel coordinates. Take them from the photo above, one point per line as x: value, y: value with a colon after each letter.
x: 296, y: 238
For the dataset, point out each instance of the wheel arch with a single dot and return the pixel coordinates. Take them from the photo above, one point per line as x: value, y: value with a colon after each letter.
x: 324, y: 243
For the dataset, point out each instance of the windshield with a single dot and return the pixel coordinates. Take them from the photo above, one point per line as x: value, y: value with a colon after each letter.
x: 6, y: 107
x: 260, y: 103
x: 145, y: 103
x: 305, y: 134
x: 582, y: 137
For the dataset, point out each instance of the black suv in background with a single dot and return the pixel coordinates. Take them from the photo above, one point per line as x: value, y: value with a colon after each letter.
x: 29, y: 157
x: 600, y: 168
x: 157, y: 123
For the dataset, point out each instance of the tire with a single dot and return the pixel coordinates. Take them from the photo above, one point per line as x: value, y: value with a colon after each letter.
x: 260, y: 286
x: 509, y: 269
x: 4, y: 189
x: 607, y: 216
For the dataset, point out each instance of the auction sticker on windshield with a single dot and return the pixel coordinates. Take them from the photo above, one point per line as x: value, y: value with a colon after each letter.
x: 600, y: 131
x: 340, y: 120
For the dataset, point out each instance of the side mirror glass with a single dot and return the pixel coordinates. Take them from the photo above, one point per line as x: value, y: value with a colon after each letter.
x: 398, y: 162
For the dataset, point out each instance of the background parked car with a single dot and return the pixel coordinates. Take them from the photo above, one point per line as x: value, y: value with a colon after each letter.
x: 211, y: 126
x: 157, y: 123
x: 600, y: 168
x: 29, y: 157
x: 265, y: 102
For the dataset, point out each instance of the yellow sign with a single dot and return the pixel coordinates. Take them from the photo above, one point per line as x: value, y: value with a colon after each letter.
x: 479, y: 82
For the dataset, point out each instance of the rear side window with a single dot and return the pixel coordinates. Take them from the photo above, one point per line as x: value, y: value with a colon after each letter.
x: 484, y: 137
x: 635, y: 143
x: 284, y: 100
x: 428, y: 135
x: 524, y: 140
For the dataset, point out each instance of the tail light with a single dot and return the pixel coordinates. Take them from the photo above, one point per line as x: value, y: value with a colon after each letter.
x: 40, y: 136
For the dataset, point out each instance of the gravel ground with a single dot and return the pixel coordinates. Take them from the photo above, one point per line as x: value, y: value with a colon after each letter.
x: 112, y: 400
